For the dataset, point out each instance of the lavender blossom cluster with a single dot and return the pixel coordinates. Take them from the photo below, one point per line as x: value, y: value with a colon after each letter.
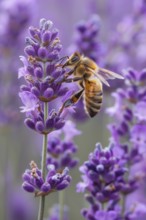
x: 86, y: 39
x: 103, y: 179
x: 43, y: 78
x: 105, y: 184
x: 129, y: 112
x: 34, y: 182
x: 54, y: 212
x: 126, y: 46
x: 128, y: 134
x: 15, y: 15
x: 61, y: 151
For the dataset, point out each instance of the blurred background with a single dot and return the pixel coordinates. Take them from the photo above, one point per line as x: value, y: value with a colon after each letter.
x: 121, y: 34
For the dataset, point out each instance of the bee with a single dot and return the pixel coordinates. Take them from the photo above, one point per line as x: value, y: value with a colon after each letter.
x: 90, y: 78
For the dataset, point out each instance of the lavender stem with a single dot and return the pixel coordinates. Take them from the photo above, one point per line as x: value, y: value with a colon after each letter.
x: 43, y: 165
x: 123, y: 204
x: 61, y: 204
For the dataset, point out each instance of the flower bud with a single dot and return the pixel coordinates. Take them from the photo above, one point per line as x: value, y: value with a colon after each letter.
x: 29, y: 50
x: 27, y: 187
x: 38, y: 72
x: 46, y: 37
x: 49, y: 93
x: 29, y: 123
x: 39, y: 126
x: 35, y: 91
x: 62, y: 185
x: 42, y: 52
x: 45, y: 187
x: 54, y: 34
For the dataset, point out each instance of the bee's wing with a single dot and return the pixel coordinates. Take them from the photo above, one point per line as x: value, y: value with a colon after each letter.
x: 104, y: 75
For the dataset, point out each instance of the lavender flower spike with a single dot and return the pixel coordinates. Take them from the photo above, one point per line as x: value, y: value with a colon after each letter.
x: 15, y: 16
x: 86, y: 38
x: 35, y: 183
x: 61, y: 151
x: 43, y: 78
x: 55, y: 210
x: 103, y: 179
x: 128, y: 134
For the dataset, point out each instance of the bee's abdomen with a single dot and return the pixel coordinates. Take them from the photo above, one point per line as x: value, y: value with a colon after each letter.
x: 92, y: 102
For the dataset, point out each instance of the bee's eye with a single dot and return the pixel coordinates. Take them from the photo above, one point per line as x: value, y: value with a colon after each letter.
x: 74, y: 59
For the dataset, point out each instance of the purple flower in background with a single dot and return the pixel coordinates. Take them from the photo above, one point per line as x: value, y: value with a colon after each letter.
x: 102, y: 175
x: 126, y: 46
x: 128, y: 134
x: 139, y: 111
x: 54, y: 213
x: 19, y: 206
x: 128, y: 109
x: 86, y: 39
x: 138, y: 211
x: 15, y: 15
x: 103, y: 215
x: 34, y: 182
x: 61, y: 151
x: 103, y: 179
x: 140, y: 7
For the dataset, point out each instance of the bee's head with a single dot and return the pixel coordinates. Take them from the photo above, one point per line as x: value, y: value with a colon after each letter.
x: 73, y: 60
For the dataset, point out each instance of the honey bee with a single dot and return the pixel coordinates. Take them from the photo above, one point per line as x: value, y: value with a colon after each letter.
x: 90, y: 78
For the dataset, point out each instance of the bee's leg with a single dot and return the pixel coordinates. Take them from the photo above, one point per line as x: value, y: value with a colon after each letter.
x: 72, y: 100
x: 65, y: 79
x: 69, y: 73
x: 73, y: 79
x: 81, y: 84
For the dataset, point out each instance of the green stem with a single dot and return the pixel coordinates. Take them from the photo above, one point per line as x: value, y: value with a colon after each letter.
x: 43, y: 165
x: 61, y: 204
x: 103, y: 205
x: 123, y: 204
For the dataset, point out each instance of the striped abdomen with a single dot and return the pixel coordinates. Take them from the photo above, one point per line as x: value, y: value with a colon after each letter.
x: 92, y: 96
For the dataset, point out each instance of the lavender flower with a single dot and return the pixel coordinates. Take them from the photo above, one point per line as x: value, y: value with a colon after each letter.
x: 100, y: 215
x: 54, y: 213
x: 130, y: 103
x: 60, y: 152
x: 86, y: 39
x: 126, y: 46
x: 34, y: 182
x: 138, y: 211
x: 103, y: 176
x: 19, y: 206
x: 128, y: 131
x: 43, y: 76
x: 104, y: 180
x: 15, y: 16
